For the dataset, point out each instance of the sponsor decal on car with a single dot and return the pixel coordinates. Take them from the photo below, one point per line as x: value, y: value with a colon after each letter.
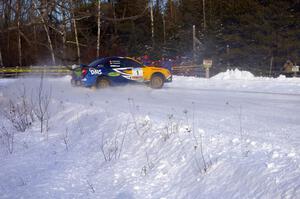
x: 113, y: 74
x: 115, y: 63
x: 137, y: 74
x: 95, y: 71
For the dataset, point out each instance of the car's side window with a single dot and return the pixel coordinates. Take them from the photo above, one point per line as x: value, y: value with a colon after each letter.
x: 100, y: 65
x: 115, y: 63
x: 137, y: 70
x: 131, y: 63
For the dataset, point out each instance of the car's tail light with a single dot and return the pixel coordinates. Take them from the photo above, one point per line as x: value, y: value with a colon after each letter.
x: 84, y: 72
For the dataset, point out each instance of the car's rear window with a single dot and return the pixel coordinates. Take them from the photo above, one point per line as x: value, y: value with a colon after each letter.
x: 97, y: 62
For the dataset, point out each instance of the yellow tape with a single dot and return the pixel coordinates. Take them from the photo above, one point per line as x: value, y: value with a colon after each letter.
x: 35, y: 70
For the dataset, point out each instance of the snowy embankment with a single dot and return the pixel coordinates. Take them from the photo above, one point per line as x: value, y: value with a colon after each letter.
x: 236, y: 80
x: 232, y: 136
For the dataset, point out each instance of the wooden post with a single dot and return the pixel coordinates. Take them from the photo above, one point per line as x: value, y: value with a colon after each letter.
x: 271, y: 66
x: 207, y: 64
x: 207, y: 72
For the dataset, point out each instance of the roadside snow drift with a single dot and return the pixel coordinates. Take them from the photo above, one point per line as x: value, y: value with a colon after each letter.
x: 231, y: 136
x: 234, y: 74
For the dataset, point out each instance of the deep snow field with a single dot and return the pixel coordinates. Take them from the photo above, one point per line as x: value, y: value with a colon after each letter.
x: 231, y: 136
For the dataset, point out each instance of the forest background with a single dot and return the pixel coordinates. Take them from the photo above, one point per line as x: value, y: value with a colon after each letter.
x: 256, y: 35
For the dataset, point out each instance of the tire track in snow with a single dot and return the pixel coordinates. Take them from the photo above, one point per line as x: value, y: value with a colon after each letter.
x: 233, y: 91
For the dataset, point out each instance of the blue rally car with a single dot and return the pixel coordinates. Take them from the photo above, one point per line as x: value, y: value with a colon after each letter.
x: 111, y: 71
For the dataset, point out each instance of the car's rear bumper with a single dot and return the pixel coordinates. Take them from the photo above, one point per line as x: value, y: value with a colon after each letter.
x: 87, y: 82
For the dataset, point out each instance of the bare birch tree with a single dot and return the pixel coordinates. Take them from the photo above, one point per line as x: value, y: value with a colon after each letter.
x: 152, y: 22
x: 75, y: 31
x: 41, y: 106
x: 18, y: 14
x: 64, y: 28
x: 99, y: 28
x: 43, y: 13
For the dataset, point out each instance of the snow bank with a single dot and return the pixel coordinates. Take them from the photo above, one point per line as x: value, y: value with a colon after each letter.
x: 5, y: 81
x: 239, y: 81
x: 233, y: 75
x: 152, y: 142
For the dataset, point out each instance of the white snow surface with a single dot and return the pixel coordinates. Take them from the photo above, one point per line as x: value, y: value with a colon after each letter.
x: 231, y: 136
x: 234, y: 74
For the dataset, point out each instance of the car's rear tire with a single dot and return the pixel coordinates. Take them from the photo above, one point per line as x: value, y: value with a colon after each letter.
x: 157, y: 81
x: 73, y: 82
x: 102, y: 82
x: 78, y: 83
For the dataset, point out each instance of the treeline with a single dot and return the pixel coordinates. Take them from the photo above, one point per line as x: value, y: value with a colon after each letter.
x: 259, y: 35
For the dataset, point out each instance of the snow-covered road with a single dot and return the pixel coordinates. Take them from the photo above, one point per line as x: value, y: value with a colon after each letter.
x: 232, y: 136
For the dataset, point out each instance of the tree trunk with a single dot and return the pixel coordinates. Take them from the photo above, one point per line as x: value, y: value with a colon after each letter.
x: 64, y: 31
x: 50, y: 43
x: 271, y: 65
x: 1, y: 61
x: 194, y: 44
x: 164, y: 28
x: 19, y: 45
x: 152, y: 22
x: 204, y: 15
x: 99, y: 28
x: 19, y: 32
x: 171, y: 9
x: 76, y: 33
x: 8, y: 42
x: 42, y: 14
x: 8, y: 32
x: 3, y: 17
x: 35, y: 43
x: 77, y: 41
x: 175, y: 13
